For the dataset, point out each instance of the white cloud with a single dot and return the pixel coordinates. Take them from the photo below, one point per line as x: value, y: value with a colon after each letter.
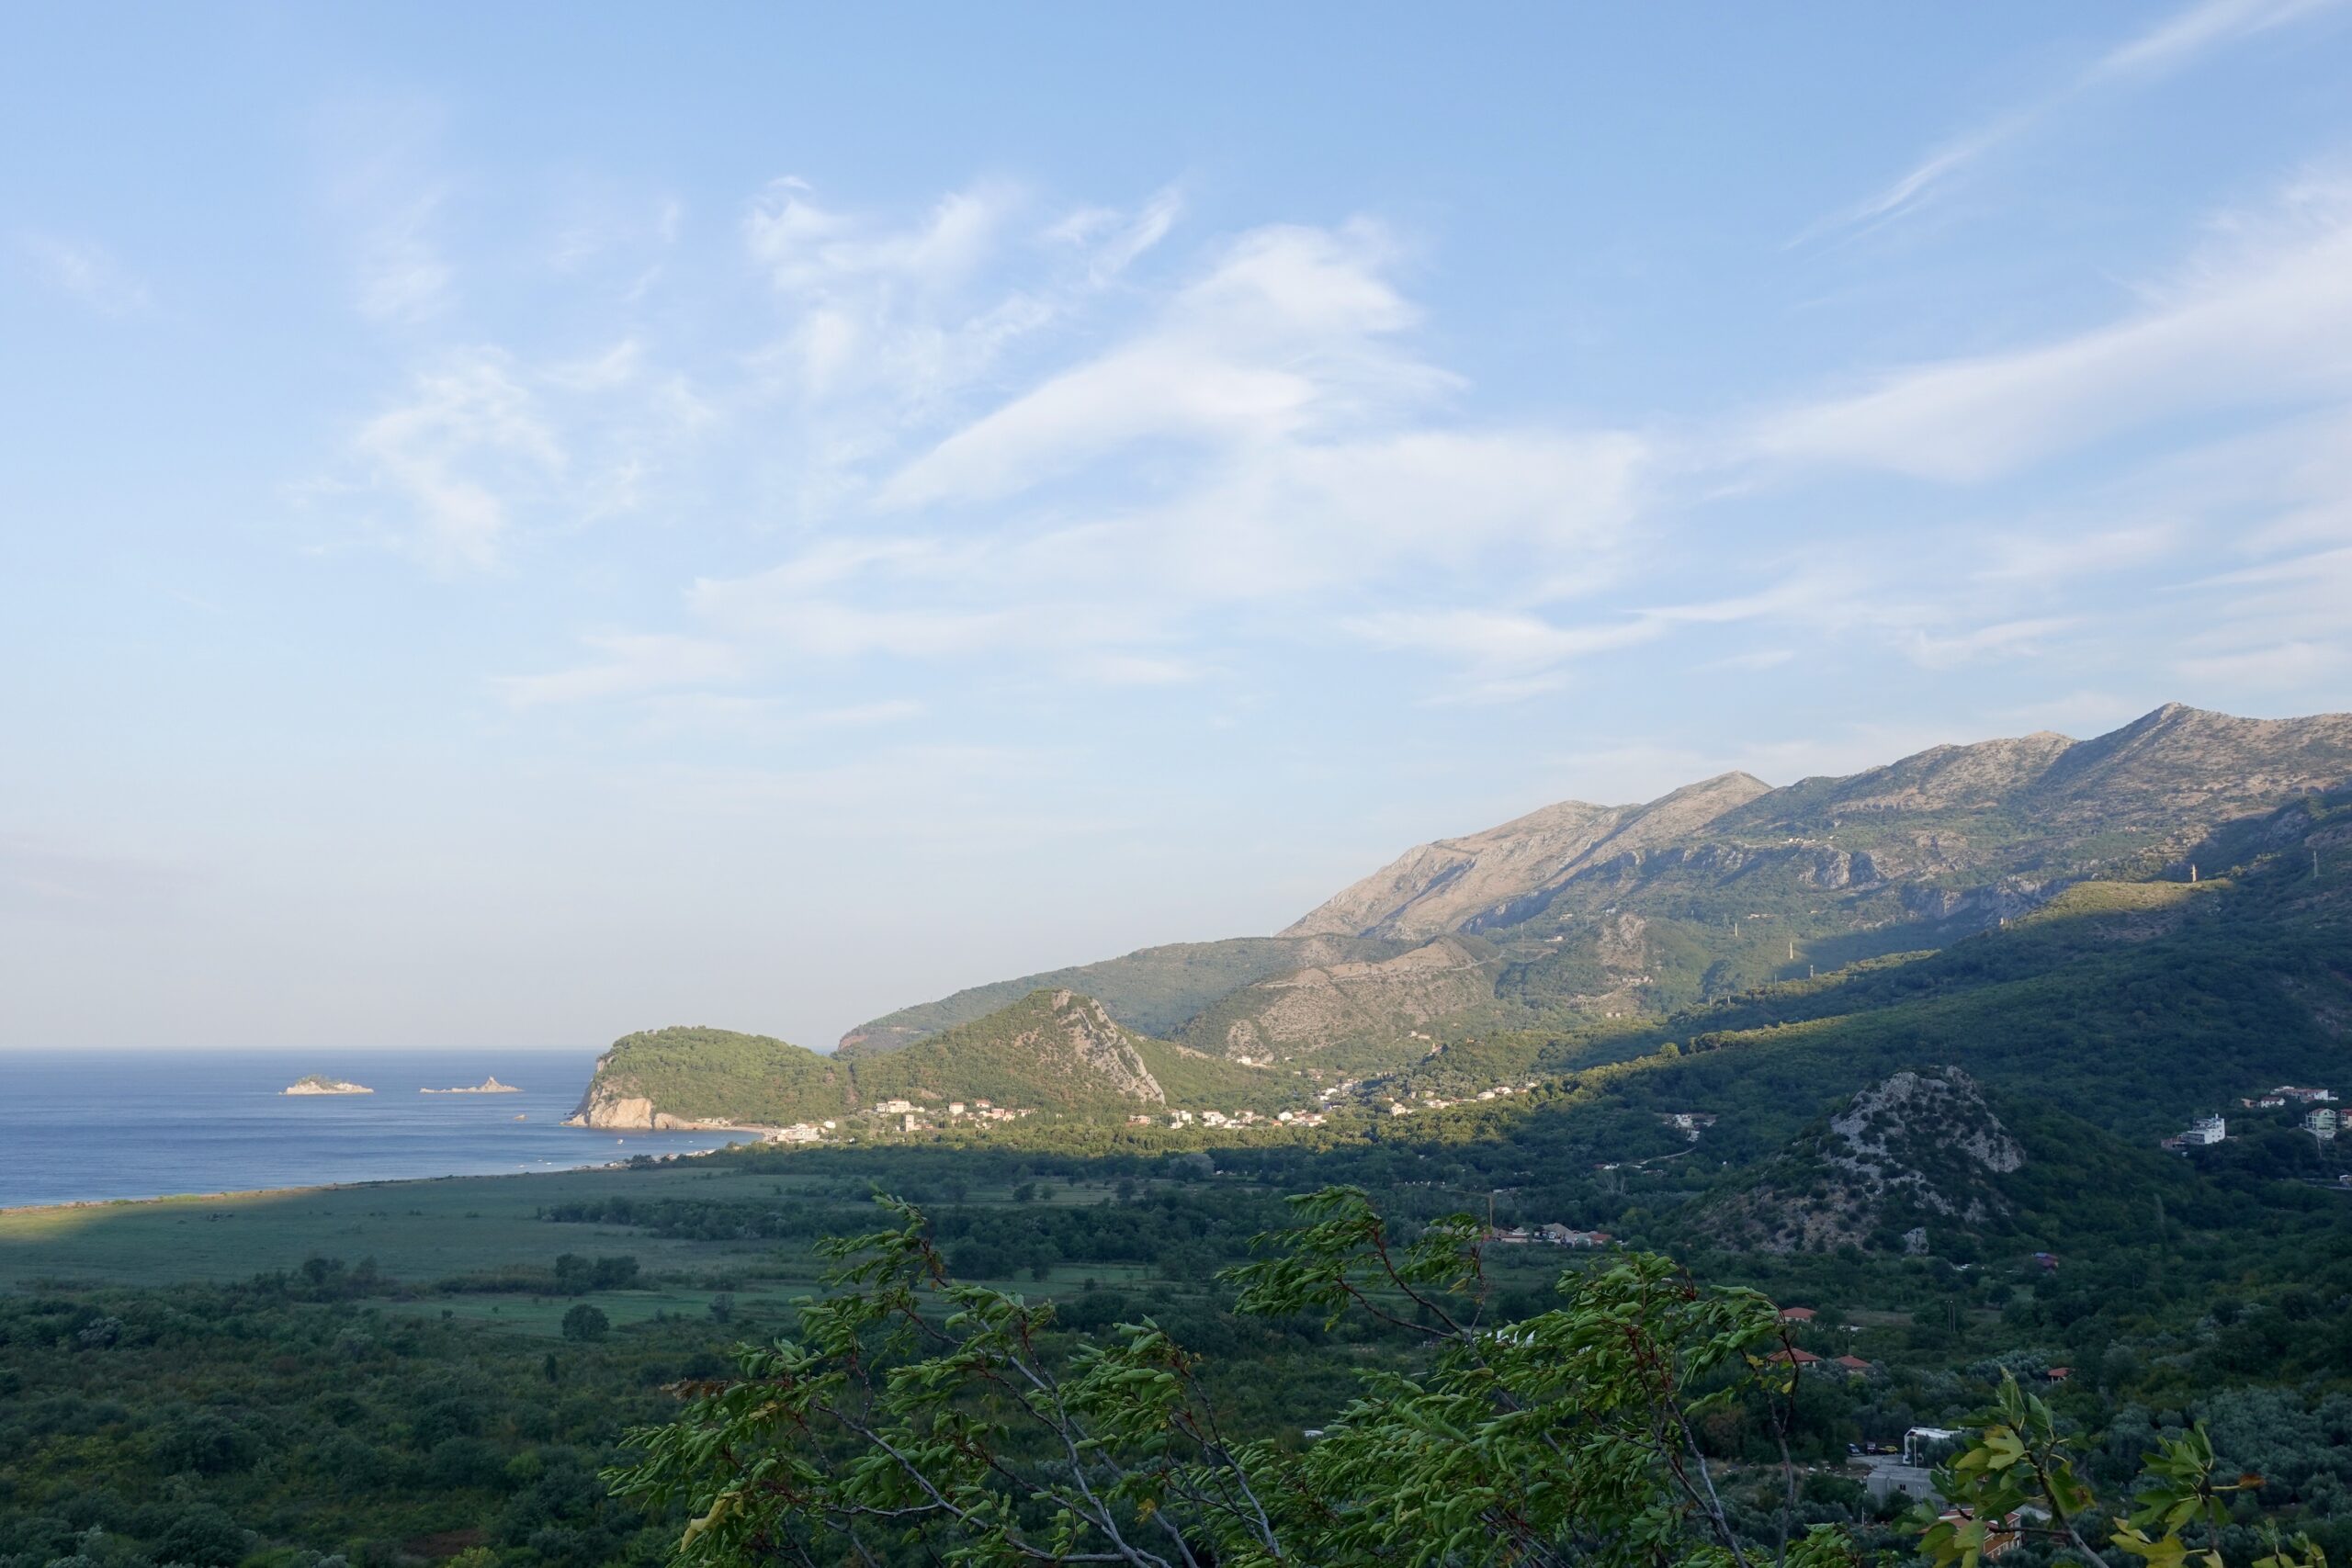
x: 2050, y: 557
x: 403, y: 275
x: 1152, y: 389
x: 384, y: 189
x: 2169, y: 46
x: 1283, y: 335
x: 86, y: 272
x: 2078, y: 714
x: 629, y: 665
x: 470, y: 436
x: 2281, y: 622
x: 2180, y: 38
x: 2267, y: 325
x: 1754, y: 658
x: 2003, y: 639
x: 1136, y: 669
x: 1495, y: 642
x: 807, y: 249
x: 1112, y: 241
x: 2282, y: 664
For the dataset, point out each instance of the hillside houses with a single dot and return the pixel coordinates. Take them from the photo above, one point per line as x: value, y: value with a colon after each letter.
x: 2320, y: 1120
x: 1553, y: 1234
x: 2202, y: 1132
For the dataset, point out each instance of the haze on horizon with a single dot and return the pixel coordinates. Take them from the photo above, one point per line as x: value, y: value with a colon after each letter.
x: 516, y: 527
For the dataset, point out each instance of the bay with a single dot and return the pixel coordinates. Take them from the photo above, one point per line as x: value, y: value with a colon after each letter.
x: 92, y: 1125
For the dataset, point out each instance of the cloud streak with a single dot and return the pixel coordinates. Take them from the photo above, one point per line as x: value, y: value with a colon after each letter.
x: 2264, y: 324
x: 2171, y: 45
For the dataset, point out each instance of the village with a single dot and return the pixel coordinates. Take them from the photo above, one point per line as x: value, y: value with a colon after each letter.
x: 2321, y: 1120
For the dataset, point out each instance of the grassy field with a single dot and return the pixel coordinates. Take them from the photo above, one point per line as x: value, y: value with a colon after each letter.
x: 416, y: 1231
x: 419, y: 1233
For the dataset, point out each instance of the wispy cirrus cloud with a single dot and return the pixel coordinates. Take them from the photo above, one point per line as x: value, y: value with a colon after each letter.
x: 1263, y: 440
x: 2169, y: 46
x: 385, y: 187
x: 455, y: 457
x: 2262, y: 321
x: 85, y: 272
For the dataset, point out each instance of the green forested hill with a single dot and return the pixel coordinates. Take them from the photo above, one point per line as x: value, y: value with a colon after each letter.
x: 712, y: 1075
x: 1052, y: 1051
x: 1061, y: 1051
x: 1153, y: 990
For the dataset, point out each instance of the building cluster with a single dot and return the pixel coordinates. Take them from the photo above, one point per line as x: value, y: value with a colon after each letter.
x: 798, y: 1132
x: 1430, y: 1101
x: 984, y: 1111
x: 1232, y: 1118
x: 2321, y: 1119
x: 1805, y: 1362
x: 1688, y: 1122
x: 1553, y: 1234
x: 914, y: 1118
x: 2290, y: 1094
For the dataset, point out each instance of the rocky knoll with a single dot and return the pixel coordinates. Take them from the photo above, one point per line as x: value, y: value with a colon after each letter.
x: 1902, y: 1158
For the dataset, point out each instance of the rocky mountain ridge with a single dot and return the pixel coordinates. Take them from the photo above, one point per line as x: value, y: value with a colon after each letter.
x: 1604, y: 911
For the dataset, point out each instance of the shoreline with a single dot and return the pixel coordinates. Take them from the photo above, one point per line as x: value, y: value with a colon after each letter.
x: 236, y: 1194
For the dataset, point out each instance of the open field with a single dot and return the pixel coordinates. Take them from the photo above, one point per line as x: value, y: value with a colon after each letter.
x: 423, y: 1232
x: 416, y: 1231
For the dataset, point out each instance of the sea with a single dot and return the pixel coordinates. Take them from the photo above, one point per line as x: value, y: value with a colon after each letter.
x: 93, y: 1125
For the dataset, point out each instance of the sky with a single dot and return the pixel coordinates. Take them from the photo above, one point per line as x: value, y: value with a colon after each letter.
x: 522, y: 524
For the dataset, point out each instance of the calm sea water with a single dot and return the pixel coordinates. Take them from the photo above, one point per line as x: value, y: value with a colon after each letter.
x: 123, y: 1124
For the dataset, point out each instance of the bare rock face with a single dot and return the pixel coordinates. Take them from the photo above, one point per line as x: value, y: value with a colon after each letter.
x: 1917, y: 1147
x: 1090, y: 1035
x: 1881, y: 1127
x: 601, y: 1108
x: 1458, y: 884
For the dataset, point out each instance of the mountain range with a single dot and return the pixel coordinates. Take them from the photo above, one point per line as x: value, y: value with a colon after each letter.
x: 1958, y: 992
x: 1579, y: 910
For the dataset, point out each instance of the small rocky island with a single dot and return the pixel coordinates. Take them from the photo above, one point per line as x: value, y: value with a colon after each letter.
x: 319, y: 1083
x: 488, y: 1085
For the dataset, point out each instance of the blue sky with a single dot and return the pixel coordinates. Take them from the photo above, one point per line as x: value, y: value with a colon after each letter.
x: 525, y: 524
